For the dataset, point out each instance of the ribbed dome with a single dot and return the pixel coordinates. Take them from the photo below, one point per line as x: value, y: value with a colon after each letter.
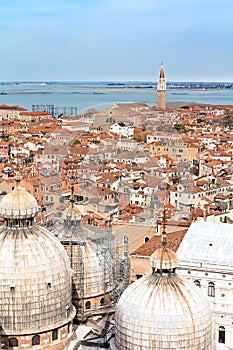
x: 163, y: 312
x: 97, y: 267
x: 35, y: 277
x: 18, y: 204
x: 94, y: 264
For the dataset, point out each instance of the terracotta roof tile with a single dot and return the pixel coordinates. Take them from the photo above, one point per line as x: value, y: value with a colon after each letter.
x: 173, y: 242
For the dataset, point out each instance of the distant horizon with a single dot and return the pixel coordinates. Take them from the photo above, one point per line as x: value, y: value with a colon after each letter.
x: 115, y: 81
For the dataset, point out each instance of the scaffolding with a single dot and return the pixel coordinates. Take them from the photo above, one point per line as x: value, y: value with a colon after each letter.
x: 126, y: 266
x: 84, y: 243
x: 55, y: 111
x: 80, y: 276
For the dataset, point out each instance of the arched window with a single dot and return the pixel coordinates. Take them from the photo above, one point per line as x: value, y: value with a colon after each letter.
x: 211, y: 289
x: 55, y: 334
x: 13, y: 342
x: 102, y: 302
x: 88, y: 305
x: 146, y: 239
x: 221, y: 335
x: 198, y: 283
x: 35, y: 340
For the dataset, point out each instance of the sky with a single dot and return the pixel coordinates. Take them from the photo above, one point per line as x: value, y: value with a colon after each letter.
x: 121, y: 40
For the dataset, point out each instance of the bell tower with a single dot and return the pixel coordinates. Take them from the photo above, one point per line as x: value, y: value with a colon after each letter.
x: 161, y: 89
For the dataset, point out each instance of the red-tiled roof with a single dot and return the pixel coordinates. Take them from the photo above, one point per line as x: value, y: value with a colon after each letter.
x: 173, y: 242
x: 16, y: 108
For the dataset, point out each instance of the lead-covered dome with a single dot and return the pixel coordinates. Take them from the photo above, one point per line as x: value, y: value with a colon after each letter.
x: 89, y: 258
x: 163, y: 311
x: 35, y: 275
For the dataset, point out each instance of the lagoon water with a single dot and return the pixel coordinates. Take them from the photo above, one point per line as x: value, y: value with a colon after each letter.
x: 100, y: 95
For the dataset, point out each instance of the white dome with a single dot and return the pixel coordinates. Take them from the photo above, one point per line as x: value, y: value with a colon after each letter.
x: 158, y: 312
x: 35, y: 276
x: 97, y: 278
x: 18, y: 204
x: 163, y: 311
x: 87, y: 258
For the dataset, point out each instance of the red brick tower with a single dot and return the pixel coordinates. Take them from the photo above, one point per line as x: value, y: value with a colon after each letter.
x: 161, y: 89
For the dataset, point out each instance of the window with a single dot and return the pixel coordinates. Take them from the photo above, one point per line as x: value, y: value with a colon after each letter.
x: 88, y: 305
x: 221, y: 335
x: 102, y: 302
x: 211, y: 289
x: 13, y: 342
x: 146, y: 239
x: 198, y: 283
x: 35, y: 340
x: 55, y: 334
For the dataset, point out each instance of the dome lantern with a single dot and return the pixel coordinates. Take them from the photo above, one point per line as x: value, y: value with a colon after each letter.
x: 72, y: 215
x: 18, y: 205
x: 164, y: 260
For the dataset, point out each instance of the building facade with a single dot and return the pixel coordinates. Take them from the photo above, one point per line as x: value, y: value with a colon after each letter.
x: 205, y: 257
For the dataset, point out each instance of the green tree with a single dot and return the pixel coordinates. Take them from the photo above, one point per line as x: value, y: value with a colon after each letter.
x: 75, y: 142
x: 180, y: 127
